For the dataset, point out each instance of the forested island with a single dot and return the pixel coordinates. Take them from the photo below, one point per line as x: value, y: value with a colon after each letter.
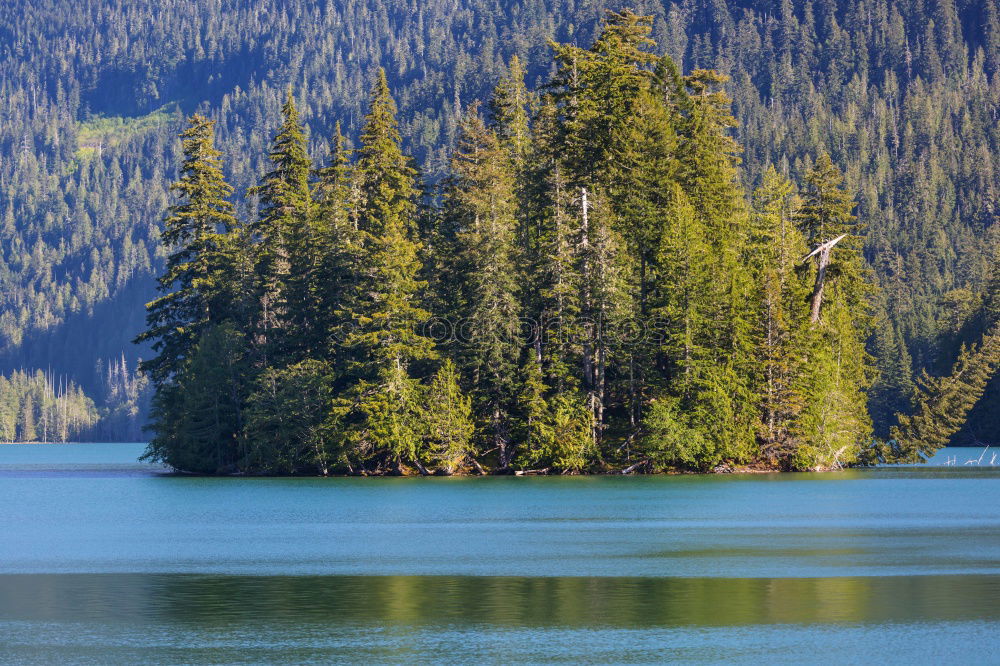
x: 589, y: 289
x: 903, y: 96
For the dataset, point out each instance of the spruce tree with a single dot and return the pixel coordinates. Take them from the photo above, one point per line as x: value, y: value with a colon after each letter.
x: 286, y: 257
x: 194, y: 282
x: 448, y: 421
x: 708, y: 173
x: 606, y: 304
x: 510, y: 122
x: 379, y: 413
x: 481, y: 201
x: 671, y: 426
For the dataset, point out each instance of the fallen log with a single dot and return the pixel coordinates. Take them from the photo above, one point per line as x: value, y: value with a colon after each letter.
x: 632, y: 468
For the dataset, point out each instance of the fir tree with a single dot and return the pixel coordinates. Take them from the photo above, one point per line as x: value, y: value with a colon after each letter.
x: 286, y: 258
x: 447, y: 417
x: 481, y: 199
x: 194, y: 281
x: 379, y: 411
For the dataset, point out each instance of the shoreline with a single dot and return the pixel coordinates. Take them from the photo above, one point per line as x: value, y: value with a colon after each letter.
x: 412, y: 473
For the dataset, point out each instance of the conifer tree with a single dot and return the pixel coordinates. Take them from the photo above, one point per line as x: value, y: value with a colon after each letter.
x: 447, y: 417
x: 379, y: 414
x: 942, y: 404
x: 286, y: 258
x: 199, y: 416
x: 673, y: 324
x: 672, y: 424
x: 193, y: 285
x: 596, y: 89
x: 774, y: 254
x: 826, y: 215
x: 509, y: 112
x: 532, y: 413
x: 28, y: 432
x: 288, y: 426
x: 640, y: 189
x: 893, y: 390
x: 510, y: 122
x: 835, y: 423
x: 481, y: 199
x: 196, y: 407
x: 605, y: 304
x: 336, y: 245
x: 708, y: 174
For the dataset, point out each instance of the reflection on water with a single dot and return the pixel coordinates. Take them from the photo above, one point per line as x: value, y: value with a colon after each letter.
x: 204, y: 601
x: 105, y: 560
x: 107, y: 618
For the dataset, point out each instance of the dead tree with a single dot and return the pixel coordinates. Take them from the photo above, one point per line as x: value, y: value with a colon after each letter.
x: 823, y: 252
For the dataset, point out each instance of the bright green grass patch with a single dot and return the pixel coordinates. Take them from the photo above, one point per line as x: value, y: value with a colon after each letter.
x: 100, y: 133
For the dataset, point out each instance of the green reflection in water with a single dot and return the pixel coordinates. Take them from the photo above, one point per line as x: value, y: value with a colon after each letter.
x: 205, y: 600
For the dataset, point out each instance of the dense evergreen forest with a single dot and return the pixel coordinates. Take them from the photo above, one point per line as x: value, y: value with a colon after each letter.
x: 587, y: 288
x: 902, y: 96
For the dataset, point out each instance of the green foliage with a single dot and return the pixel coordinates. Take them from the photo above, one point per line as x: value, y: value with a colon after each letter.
x: 381, y: 420
x: 835, y: 423
x: 942, y: 404
x: 774, y: 253
x: 384, y: 308
x: 447, y: 418
x: 612, y: 298
x: 670, y: 441
x: 288, y: 428
x: 97, y: 134
x: 380, y: 410
x: 561, y: 436
x: 904, y: 106
x: 194, y: 229
x: 481, y: 206
x: 285, y: 255
x: 198, y: 417
x: 509, y: 110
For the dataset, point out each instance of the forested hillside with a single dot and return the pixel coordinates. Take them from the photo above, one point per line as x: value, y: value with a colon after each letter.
x: 902, y: 95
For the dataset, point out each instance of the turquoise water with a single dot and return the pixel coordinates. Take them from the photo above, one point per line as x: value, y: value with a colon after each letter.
x: 105, y: 560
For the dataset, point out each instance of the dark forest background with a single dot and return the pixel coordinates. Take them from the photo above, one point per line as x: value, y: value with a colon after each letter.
x: 904, y: 95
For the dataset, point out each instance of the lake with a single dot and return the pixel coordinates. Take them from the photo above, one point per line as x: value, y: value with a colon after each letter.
x: 107, y: 560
